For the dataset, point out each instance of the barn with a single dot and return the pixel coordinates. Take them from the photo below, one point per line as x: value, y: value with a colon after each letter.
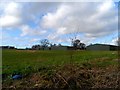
x: 102, y: 47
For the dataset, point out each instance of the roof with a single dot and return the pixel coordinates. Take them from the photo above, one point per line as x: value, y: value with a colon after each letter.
x: 102, y: 45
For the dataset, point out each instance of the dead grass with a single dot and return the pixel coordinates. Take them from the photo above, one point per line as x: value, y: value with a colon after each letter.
x: 72, y: 76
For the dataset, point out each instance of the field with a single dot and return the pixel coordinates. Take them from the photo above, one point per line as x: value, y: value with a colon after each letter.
x: 60, y: 69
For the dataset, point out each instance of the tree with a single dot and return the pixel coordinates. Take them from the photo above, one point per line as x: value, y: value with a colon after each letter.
x: 73, y: 34
x: 44, y: 43
x: 76, y: 43
x: 59, y: 44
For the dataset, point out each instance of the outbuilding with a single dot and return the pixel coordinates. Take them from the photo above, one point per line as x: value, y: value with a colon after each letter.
x: 102, y: 47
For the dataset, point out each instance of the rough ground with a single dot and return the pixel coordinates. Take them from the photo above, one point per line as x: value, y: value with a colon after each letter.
x: 71, y: 77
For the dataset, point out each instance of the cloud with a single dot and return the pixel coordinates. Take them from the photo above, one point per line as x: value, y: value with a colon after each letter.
x: 28, y: 31
x: 34, y: 40
x: 59, y: 22
x: 55, y: 19
x: 11, y: 15
x: 20, y: 15
x: 115, y: 41
x: 92, y: 19
x: 8, y: 21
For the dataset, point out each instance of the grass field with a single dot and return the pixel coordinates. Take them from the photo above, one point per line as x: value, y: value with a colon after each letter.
x: 29, y: 62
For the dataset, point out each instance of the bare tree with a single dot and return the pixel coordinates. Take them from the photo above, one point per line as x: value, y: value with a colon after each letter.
x: 44, y: 43
x: 76, y: 43
x: 74, y: 35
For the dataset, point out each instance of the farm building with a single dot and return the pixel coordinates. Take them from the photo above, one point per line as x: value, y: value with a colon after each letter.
x: 102, y: 47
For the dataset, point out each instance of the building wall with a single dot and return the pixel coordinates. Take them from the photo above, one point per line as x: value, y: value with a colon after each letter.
x: 98, y: 47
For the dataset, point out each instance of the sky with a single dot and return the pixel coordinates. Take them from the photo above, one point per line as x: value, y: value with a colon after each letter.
x: 23, y: 24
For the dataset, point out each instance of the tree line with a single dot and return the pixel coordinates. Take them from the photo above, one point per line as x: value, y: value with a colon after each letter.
x: 45, y: 43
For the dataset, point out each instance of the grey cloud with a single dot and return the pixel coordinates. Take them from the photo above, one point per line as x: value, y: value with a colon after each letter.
x: 65, y: 18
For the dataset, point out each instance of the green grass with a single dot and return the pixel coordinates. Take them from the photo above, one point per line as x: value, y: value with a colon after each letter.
x: 28, y: 61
